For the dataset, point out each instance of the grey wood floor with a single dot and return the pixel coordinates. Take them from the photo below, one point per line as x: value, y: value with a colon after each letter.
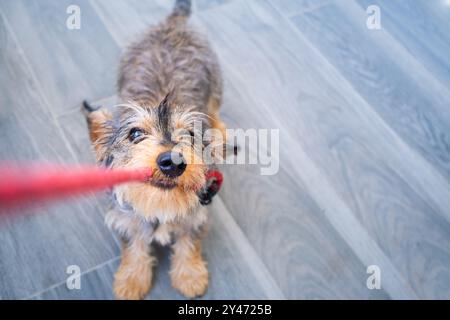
x: 364, y: 119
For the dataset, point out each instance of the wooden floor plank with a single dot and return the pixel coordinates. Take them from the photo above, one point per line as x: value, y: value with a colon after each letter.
x: 290, y: 7
x: 322, y: 119
x: 75, y: 129
x: 42, y: 242
x: 138, y: 14
x: 407, y: 105
x: 305, y: 254
x: 208, y: 4
x: 286, y: 225
x: 420, y: 26
x: 70, y: 65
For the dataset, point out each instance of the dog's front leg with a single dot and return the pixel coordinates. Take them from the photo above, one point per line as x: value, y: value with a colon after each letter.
x: 133, y: 279
x: 188, y: 273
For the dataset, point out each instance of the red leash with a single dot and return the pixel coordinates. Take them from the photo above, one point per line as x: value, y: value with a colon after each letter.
x: 24, y: 185
x: 215, y: 179
x: 20, y: 185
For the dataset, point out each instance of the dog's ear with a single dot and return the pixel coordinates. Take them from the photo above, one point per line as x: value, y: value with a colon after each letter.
x: 99, y: 122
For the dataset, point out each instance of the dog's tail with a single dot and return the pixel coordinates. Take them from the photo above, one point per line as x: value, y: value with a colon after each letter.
x: 181, y: 11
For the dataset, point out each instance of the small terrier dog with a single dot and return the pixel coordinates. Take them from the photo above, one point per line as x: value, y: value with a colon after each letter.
x: 168, y: 81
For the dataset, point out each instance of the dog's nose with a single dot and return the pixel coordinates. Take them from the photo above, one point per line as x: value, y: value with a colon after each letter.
x: 171, y: 164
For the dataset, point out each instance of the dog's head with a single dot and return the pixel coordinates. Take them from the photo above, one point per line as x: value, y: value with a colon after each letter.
x: 166, y: 138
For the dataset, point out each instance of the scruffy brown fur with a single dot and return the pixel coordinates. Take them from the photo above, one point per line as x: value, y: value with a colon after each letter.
x: 168, y: 80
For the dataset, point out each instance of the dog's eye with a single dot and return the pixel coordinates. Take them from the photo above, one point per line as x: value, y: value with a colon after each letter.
x: 136, y: 135
x: 192, y: 136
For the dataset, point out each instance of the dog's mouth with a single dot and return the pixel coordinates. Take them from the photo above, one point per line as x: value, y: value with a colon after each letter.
x: 163, y: 183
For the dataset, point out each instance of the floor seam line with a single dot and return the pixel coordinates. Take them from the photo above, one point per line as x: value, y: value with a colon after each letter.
x: 263, y: 274
x: 92, y: 269
x: 423, y: 161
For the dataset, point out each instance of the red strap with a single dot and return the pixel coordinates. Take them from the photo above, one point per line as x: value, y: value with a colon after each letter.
x: 217, y: 176
x: 20, y: 185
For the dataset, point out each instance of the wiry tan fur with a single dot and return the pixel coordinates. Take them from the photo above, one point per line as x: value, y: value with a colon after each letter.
x: 134, y: 277
x: 171, y: 65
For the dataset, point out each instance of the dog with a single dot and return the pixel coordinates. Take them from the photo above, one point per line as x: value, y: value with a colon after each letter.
x: 169, y: 80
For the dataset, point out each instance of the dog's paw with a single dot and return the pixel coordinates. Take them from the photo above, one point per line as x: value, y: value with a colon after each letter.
x: 131, y: 286
x: 191, y: 280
